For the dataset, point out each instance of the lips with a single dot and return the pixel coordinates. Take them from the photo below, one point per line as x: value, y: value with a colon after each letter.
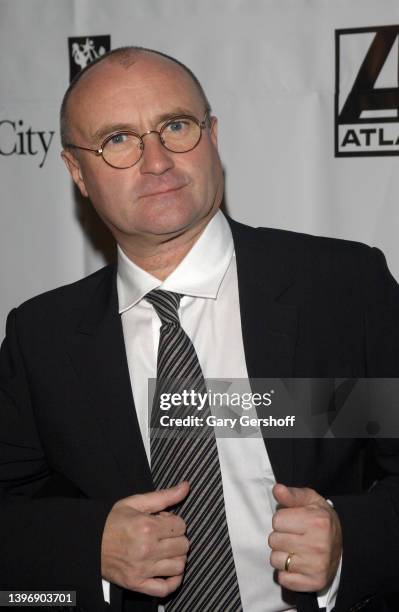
x: 159, y: 190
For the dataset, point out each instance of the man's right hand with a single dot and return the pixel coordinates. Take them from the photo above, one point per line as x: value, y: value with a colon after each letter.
x: 142, y: 550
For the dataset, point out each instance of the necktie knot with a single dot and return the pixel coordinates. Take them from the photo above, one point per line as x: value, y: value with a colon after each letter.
x: 166, y: 305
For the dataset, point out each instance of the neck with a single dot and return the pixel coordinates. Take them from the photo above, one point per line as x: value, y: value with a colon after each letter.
x: 161, y: 258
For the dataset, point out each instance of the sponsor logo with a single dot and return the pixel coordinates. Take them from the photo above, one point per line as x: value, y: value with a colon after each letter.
x: 367, y: 91
x: 85, y: 49
x: 18, y: 139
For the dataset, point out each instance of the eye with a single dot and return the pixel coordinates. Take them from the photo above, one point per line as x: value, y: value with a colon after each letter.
x: 178, y: 125
x: 118, y: 139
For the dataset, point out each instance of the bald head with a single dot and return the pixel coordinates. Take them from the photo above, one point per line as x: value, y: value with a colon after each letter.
x: 125, y: 57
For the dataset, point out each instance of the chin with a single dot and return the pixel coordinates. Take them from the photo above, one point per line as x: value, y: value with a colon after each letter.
x: 171, y: 229
x: 171, y: 220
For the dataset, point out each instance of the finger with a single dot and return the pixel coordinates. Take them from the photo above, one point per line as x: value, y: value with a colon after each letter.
x: 156, y: 501
x: 278, y: 560
x: 173, y: 547
x: 159, y: 587
x: 285, y: 542
x: 171, y: 526
x: 293, y: 497
x: 300, y: 563
x: 170, y: 567
x: 299, y: 582
x: 291, y: 520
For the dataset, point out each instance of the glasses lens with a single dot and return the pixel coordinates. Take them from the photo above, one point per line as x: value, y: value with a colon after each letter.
x: 181, y: 134
x: 122, y: 150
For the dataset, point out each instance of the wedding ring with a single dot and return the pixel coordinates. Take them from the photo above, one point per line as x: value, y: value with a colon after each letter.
x: 288, y: 562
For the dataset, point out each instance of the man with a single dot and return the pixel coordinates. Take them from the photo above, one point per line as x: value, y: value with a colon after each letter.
x: 79, y: 508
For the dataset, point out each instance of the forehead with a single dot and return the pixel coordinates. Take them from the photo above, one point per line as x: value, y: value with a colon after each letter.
x: 133, y: 94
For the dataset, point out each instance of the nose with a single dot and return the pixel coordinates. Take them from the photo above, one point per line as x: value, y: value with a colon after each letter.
x: 156, y: 159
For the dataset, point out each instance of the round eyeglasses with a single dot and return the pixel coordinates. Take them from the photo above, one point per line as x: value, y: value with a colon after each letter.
x: 123, y: 149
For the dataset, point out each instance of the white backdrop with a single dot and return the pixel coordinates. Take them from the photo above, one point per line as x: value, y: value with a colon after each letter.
x: 269, y: 68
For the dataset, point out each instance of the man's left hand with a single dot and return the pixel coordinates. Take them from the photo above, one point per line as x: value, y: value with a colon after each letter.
x: 307, y: 528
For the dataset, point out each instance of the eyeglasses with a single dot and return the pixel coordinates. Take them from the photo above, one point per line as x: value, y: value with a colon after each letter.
x: 123, y: 149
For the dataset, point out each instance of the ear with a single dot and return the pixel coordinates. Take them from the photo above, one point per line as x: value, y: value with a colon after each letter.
x: 75, y: 171
x: 214, y: 131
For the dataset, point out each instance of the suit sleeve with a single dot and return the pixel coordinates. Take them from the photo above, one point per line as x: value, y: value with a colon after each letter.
x: 370, y: 520
x: 50, y: 535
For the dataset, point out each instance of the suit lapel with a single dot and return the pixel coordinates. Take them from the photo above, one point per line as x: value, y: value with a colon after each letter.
x: 98, y: 354
x: 269, y: 324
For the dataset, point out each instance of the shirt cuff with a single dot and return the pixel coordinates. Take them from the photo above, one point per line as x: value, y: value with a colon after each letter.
x: 326, y: 597
x: 106, y: 588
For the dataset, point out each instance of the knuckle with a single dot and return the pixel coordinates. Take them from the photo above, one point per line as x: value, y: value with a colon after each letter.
x: 146, y: 525
x: 320, y: 566
x: 321, y: 549
x: 273, y: 559
x: 180, y: 524
x: 271, y: 539
x: 146, y: 530
x: 322, y: 521
x: 131, y: 581
x: 143, y: 550
x: 179, y: 580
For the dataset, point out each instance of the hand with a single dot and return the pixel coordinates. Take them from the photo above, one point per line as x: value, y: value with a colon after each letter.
x: 144, y: 551
x: 310, y: 528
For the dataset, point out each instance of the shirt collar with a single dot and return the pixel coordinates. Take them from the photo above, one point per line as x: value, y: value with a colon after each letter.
x: 199, y: 274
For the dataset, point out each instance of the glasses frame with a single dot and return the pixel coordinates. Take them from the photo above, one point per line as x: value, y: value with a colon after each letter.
x: 100, y: 152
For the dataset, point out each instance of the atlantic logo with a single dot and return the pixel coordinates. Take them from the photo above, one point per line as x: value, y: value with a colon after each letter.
x: 85, y: 49
x: 367, y: 91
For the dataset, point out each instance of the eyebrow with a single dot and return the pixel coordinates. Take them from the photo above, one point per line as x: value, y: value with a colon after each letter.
x: 110, y: 128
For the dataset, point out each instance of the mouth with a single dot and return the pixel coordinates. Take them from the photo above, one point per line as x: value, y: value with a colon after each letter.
x: 162, y: 192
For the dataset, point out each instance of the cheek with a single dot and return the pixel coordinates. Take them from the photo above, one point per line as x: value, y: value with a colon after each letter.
x: 106, y: 189
x: 211, y: 176
x: 206, y: 172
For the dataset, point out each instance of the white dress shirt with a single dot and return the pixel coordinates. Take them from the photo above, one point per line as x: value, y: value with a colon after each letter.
x: 210, y: 314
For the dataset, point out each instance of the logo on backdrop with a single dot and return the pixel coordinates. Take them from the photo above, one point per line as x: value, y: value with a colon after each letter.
x: 16, y: 138
x: 85, y: 49
x: 367, y: 91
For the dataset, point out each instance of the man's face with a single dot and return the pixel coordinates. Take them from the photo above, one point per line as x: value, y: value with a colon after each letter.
x: 164, y: 194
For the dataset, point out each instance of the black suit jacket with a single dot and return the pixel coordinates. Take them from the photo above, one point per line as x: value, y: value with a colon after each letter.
x: 70, y: 444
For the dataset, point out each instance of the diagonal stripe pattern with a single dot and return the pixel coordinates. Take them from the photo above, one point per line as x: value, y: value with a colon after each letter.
x: 210, y: 580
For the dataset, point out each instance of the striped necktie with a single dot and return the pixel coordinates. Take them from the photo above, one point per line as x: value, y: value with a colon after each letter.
x: 210, y: 580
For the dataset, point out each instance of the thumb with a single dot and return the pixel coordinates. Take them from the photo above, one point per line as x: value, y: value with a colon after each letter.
x: 291, y: 497
x: 156, y: 501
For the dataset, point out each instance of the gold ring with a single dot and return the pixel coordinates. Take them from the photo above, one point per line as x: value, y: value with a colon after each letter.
x: 288, y: 562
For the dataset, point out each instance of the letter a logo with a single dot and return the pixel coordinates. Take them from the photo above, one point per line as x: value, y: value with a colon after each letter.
x: 367, y: 91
